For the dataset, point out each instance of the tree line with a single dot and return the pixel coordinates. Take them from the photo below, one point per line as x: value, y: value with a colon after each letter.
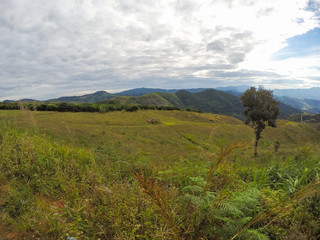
x: 83, y: 107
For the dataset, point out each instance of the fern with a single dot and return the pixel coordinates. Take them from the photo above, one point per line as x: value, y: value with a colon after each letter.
x: 254, y: 234
x: 284, y: 207
x: 228, y: 216
x: 196, y: 190
x: 238, y: 211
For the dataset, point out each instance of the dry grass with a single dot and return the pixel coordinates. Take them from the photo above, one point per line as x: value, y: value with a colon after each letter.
x: 132, y: 135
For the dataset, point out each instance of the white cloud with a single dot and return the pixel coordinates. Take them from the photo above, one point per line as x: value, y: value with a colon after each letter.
x: 55, y: 47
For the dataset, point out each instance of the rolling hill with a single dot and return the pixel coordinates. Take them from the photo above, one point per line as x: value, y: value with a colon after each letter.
x: 143, y: 91
x: 87, y: 98
x: 209, y: 101
x: 199, y: 99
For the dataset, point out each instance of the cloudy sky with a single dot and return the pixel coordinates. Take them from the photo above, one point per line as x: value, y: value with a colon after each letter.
x: 69, y: 47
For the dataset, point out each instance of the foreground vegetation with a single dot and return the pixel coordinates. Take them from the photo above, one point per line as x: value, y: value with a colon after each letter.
x: 184, y: 175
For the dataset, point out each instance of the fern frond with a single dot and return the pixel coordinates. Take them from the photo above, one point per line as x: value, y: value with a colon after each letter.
x: 283, y: 208
x: 195, y: 190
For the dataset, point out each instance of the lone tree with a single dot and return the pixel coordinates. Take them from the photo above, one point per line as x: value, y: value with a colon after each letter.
x: 261, y: 110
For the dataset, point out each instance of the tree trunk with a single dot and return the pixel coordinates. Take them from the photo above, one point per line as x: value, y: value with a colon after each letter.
x: 256, y: 147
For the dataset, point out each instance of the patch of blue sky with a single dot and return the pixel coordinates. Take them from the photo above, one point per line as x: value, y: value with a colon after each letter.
x: 304, y: 45
x: 314, y: 6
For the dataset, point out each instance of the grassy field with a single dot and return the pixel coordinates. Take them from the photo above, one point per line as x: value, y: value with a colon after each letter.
x: 188, y: 176
x: 178, y: 134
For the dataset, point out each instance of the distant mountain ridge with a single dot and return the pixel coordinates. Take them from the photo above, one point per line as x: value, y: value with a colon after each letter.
x: 88, y: 98
x: 225, y: 101
x: 143, y: 91
x: 209, y: 100
x: 309, y: 93
x: 309, y: 100
x: 307, y: 105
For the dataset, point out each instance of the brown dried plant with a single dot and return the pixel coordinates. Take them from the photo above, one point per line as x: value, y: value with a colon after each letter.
x: 28, y: 116
x: 157, y: 194
x: 224, y: 152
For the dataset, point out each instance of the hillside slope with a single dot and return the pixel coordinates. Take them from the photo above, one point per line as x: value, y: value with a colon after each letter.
x: 143, y: 91
x: 158, y: 99
x: 118, y: 176
x: 177, y: 134
x: 87, y: 98
x: 208, y: 101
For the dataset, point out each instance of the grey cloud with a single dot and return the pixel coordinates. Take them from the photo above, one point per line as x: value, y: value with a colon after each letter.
x: 242, y: 74
x: 283, y: 81
x: 49, y: 48
x: 233, y: 3
x: 236, y: 57
x: 235, y: 47
x: 314, y: 78
x: 186, y: 6
x: 219, y: 45
x: 265, y: 11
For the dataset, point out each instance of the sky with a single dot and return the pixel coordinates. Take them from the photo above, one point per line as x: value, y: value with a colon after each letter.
x: 72, y: 47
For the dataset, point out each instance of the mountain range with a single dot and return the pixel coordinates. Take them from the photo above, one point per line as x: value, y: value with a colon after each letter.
x: 306, y: 100
x: 206, y: 100
x: 305, y: 105
x: 209, y: 100
x: 225, y: 101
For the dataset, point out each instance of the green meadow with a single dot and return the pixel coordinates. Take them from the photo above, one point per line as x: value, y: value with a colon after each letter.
x: 154, y: 174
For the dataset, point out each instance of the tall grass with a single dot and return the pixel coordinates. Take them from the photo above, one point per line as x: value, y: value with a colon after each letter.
x: 51, y: 188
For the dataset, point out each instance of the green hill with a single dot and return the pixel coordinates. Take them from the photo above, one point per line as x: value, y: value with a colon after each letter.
x: 208, y: 101
x: 222, y: 101
x: 286, y: 110
x: 143, y: 91
x: 157, y: 99
x: 214, y: 101
x: 87, y: 98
